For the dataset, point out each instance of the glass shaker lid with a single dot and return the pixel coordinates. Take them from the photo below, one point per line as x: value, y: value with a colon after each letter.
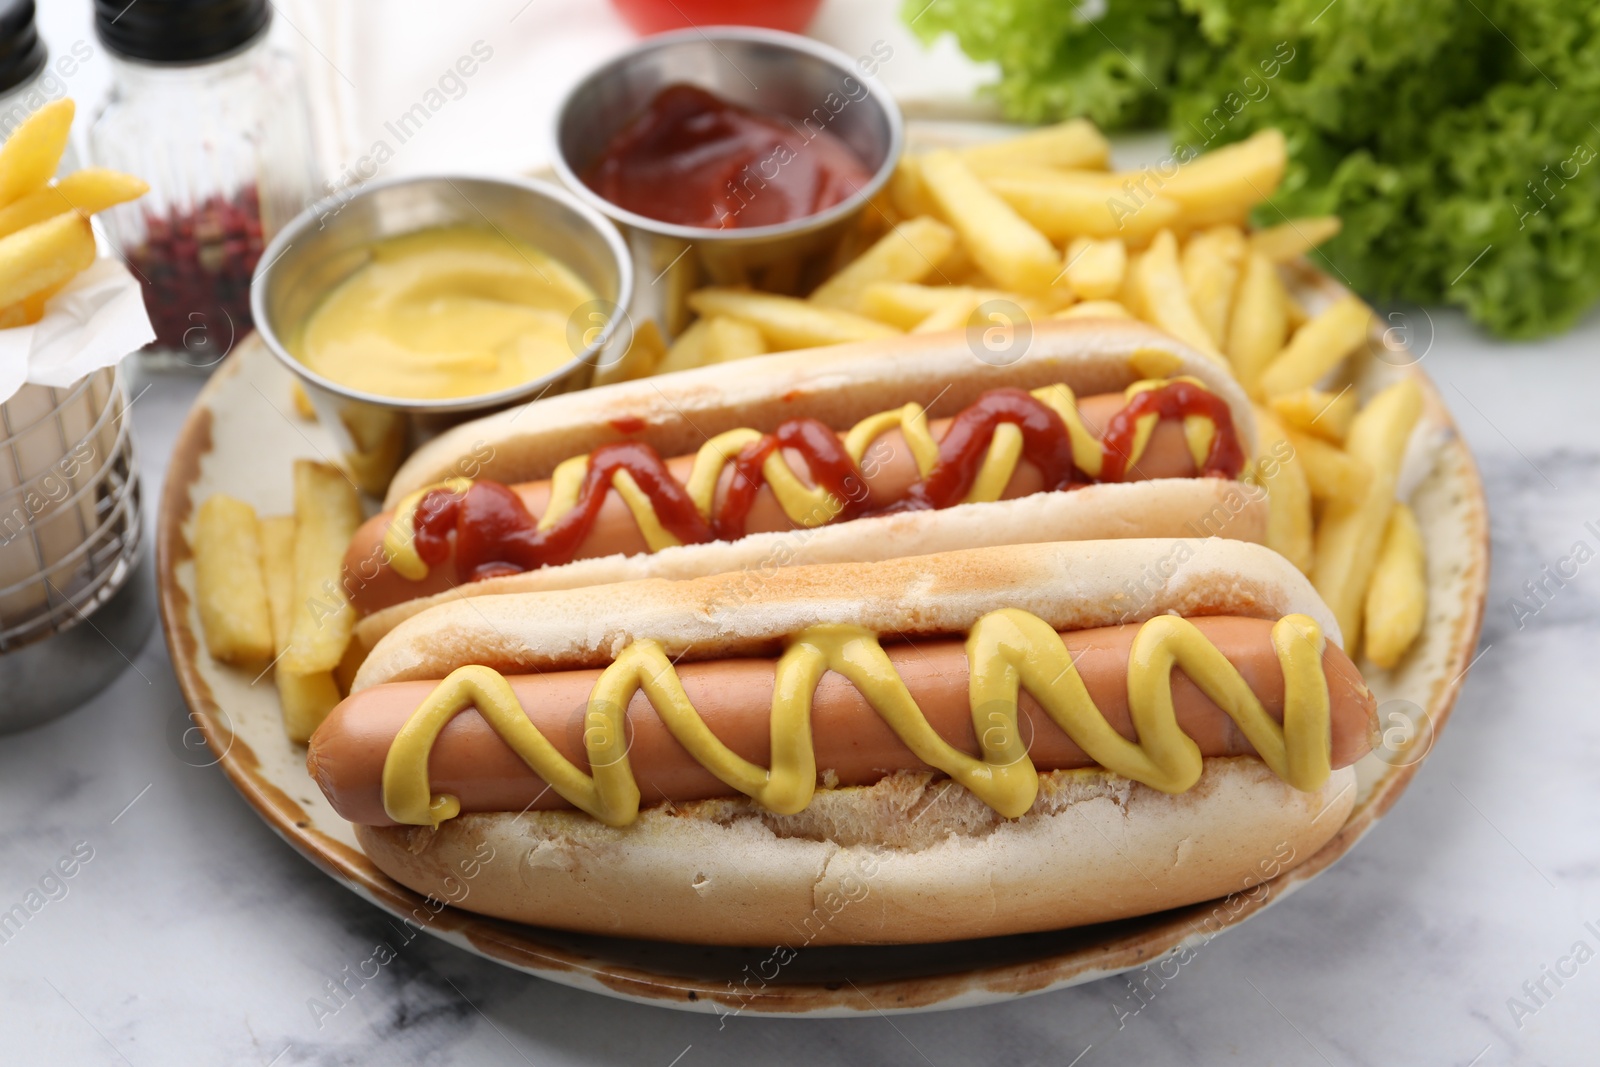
x: 178, y: 31
x: 22, y: 53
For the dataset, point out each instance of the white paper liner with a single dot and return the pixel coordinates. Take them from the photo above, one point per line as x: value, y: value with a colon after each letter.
x: 92, y: 323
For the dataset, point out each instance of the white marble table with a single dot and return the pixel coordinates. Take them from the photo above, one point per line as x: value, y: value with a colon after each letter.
x: 193, y: 935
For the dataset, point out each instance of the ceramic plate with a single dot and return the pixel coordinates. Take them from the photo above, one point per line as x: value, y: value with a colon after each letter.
x: 240, y: 438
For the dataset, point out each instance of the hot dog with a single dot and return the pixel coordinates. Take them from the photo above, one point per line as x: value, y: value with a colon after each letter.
x: 883, y: 482
x: 621, y: 742
x: 472, y: 763
x: 814, y: 456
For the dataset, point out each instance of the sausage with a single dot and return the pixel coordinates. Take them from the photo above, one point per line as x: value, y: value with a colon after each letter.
x: 889, y: 471
x: 734, y: 696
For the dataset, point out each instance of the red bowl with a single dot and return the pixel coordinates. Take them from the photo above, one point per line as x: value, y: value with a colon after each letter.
x: 657, y: 16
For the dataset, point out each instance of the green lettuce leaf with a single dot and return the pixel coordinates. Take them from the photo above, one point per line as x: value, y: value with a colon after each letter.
x: 1460, y: 143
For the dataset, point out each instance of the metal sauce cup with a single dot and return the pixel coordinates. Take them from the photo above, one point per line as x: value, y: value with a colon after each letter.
x: 817, y: 87
x: 328, y: 241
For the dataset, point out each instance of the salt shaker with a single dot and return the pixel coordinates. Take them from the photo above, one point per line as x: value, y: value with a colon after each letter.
x: 29, y: 77
x: 215, y: 119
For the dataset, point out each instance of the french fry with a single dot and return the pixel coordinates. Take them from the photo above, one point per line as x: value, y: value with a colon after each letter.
x: 1094, y: 309
x: 45, y: 255
x: 857, y: 239
x: 306, y: 698
x: 228, y: 586
x: 1312, y: 411
x: 1351, y: 530
x: 958, y: 268
x: 1294, y: 312
x: 277, y: 568
x: 33, y: 151
x: 952, y: 316
x: 327, y: 512
x: 1318, y: 347
x: 1008, y: 249
x: 1292, y: 239
x: 1279, y: 470
x: 84, y: 191
x: 1397, y: 597
x: 1333, y: 473
x: 907, y: 192
x: 908, y: 305
x: 1258, y: 324
x: 300, y: 400
x: 1058, y: 297
x: 30, y: 309
x: 1211, y: 263
x: 645, y: 351
x: 787, y: 322
x: 1131, y: 283
x: 688, y: 350
x: 1074, y: 144
x: 1163, y: 301
x: 1223, y: 185
x: 1068, y: 205
x: 1103, y: 181
x: 908, y: 253
x: 728, y: 339
x: 1095, y: 268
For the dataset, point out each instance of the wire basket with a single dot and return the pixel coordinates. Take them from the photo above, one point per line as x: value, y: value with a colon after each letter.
x: 71, y: 523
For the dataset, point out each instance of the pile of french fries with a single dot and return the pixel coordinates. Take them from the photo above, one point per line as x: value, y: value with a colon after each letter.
x: 271, y: 592
x: 45, y: 237
x: 1040, y: 220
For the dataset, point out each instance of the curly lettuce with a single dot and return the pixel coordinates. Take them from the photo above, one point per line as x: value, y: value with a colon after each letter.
x: 1460, y: 143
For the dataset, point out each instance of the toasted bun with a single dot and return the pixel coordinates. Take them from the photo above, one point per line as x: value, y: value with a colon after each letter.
x: 1171, y: 507
x: 909, y: 859
x: 1073, y: 585
x: 841, y: 384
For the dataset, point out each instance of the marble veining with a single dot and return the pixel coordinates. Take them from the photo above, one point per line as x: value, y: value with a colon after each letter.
x: 1451, y: 935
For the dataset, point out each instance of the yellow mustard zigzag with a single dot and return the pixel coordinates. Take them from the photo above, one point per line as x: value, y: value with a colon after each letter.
x: 1007, y: 650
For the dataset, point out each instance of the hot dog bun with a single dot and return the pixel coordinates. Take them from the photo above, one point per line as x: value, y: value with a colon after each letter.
x: 913, y: 857
x: 1172, y: 507
x: 1072, y: 585
x: 906, y: 860
x: 676, y: 414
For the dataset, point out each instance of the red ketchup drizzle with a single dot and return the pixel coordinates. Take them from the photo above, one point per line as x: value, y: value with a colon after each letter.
x: 830, y: 465
x: 1045, y: 444
x: 1175, y: 400
x: 495, y: 534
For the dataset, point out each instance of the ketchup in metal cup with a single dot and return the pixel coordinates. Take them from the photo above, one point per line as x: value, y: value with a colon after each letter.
x: 693, y: 159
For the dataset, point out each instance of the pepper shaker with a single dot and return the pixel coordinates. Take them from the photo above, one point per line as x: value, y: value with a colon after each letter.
x: 215, y: 118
